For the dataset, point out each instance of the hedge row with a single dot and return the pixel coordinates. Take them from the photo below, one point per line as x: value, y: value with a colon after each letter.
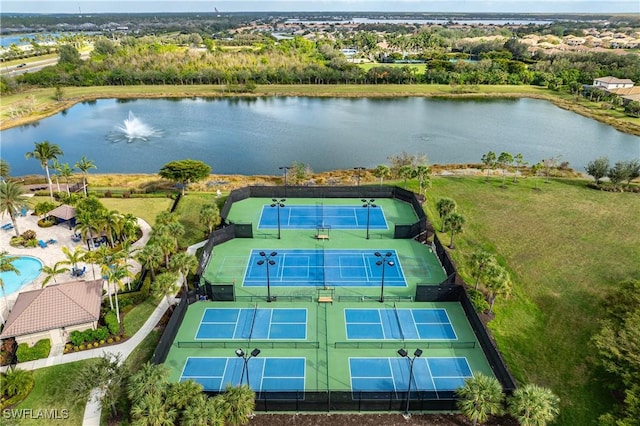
x: 40, y: 350
x: 79, y: 337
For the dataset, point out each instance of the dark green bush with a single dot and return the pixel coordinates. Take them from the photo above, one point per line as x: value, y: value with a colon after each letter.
x: 111, y: 321
x: 478, y: 301
x: 77, y: 338
x: 40, y: 350
x: 101, y: 333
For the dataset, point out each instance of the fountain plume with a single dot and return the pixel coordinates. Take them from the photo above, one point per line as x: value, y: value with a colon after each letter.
x: 132, y: 129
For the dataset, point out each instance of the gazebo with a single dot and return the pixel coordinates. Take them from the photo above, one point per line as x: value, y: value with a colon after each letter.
x: 64, y: 213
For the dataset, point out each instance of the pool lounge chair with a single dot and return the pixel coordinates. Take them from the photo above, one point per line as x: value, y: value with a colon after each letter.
x: 42, y: 244
x: 51, y: 241
x: 23, y: 212
x: 7, y: 226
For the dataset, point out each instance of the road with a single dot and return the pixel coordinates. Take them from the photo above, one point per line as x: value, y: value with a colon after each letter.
x: 33, y: 66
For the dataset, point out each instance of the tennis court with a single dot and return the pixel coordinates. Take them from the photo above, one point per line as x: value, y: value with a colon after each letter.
x: 324, y: 267
x: 256, y: 323
x: 392, y: 374
x: 407, y: 324
x: 319, y: 215
x: 264, y: 374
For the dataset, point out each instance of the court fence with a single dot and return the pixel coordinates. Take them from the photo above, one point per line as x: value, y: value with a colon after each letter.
x: 171, y: 330
x: 263, y: 344
x: 397, y: 344
x: 347, y: 400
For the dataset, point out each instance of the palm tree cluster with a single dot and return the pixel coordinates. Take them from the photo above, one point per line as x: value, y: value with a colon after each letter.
x: 496, y: 279
x: 451, y: 219
x: 531, y: 405
x: 153, y: 401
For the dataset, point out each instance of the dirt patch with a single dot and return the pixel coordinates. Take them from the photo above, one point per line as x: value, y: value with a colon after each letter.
x: 371, y: 420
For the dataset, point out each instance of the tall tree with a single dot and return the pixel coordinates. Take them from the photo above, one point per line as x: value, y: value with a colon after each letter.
x: 203, y: 411
x: 185, y: 172
x: 4, y: 168
x: 480, y: 261
x: 116, y: 275
x: 406, y: 172
x: 84, y: 165
x: 480, y: 397
x: 489, y: 160
x: 150, y: 257
x: 210, y: 216
x: 445, y: 207
x: 520, y: 163
x: 44, y: 152
x: 423, y: 173
x: 632, y: 170
x: 166, y: 284
x: 382, y: 171
x: 150, y: 378
x: 532, y: 405
x: 12, y: 200
x: 455, y: 222
x: 505, y: 160
x: 183, y: 263
x: 52, y: 272
x: 151, y: 410
x: 238, y: 403
x: 498, y: 281
x: 618, y: 174
x: 598, y: 168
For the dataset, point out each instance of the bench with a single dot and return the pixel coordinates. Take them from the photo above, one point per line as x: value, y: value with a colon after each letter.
x: 325, y: 299
x: 322, y: 237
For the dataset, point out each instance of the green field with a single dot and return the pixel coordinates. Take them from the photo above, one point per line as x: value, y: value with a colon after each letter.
x: 566, y: 246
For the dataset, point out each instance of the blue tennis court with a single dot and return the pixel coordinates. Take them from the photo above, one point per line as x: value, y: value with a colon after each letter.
x: 392, y: 374
x: 312, y: 217
x: 252, y: 323
x: 324, y: 267
x: 265, y: 374
x: 416, y: 324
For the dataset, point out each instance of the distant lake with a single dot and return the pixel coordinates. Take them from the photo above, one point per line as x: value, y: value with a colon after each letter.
x: 257, y: 135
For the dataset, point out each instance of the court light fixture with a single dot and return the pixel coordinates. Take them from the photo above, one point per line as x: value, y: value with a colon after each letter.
x: 384, y: 261
x: 245, y: 366
x: 358, y: 170
x: 368, y: 204
x: 278, y: 204
x: 268, y: 261
x: 286, y: 169
x: 404, y: 354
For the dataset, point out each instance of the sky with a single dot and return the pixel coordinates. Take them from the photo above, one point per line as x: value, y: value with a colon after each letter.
x: 465, y: 6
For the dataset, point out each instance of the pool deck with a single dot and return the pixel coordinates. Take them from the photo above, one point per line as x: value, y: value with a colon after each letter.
x: 52, y: 254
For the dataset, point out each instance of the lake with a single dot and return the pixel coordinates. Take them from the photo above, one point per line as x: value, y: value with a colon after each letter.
x: 257, y: 135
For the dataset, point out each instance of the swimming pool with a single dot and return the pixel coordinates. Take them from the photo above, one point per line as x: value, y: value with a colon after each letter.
x: 29, y: 267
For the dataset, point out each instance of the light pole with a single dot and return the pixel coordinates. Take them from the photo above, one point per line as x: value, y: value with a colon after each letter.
x: 278, y: 203
x: 404, y: 354
x: 245, y: 367
x: 269, y: 262
x: 384, y: 260
x: 286, y: 169
x: 358, y: 170
x: 368, y: 204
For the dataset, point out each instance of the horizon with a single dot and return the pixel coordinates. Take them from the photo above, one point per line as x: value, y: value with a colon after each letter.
x: 88, y: 7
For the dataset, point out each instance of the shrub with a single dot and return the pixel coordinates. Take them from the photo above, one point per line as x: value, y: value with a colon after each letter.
x: 109, y: 340
x: 111, y: 321
x: 116, y: 338
x: 17, y: 242
x: 81, y: 347
x: 77, y: 338
x: 477, y: 299
x: 29, y: 234
x: 47, y: 222
x: 40, y: 350
x: 108, y: 194
x: 100, y: 334
x: 95, y: 344
x: 31, y: 243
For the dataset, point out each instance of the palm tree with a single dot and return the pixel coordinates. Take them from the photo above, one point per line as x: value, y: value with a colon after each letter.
x: 4, y: 168
x: 183, y: 263
x: 181, y: 394
x: 151, y: 410
x: 65, y: 171
x: 73, y: 257
x: 445, y: 207
x: 381, y: 172
x: 6, y: 265
x: 149, y: 378
x: 150, y: 257
x: 116, y: 274
x: 12, y: 200
x: 113, y: 222
x: 480, y: 397
x: 210, y: 216
x: 167, y: 244
x: 498, y: 281
x: 490, y: 161
x: 126, y: 251
x: 84, y: 165
x: 532, y: 405
x: 480, y: 260
x: 423, y: 173
x: 44, y: 152
x: 52, y: 271
x: 203, y: 411
x: 17, y: 381
x: 238, y: 403
x: 166, y: 284
x: 406, y: 172
x: 455, y: 222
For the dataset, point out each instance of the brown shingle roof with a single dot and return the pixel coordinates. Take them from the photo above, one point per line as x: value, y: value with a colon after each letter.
x: 64, y: 212
x: 614, y: 80
x: 55, y: 306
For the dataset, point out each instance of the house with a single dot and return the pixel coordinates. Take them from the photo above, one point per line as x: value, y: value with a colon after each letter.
x: 54, y: 311
x: 608, y: 83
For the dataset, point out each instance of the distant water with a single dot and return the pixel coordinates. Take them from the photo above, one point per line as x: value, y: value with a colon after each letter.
x: 257, y: 135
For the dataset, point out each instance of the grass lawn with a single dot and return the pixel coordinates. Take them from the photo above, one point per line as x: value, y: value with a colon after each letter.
x: 136, y: 318
x: 189, y: 213
x: 51, y: 384
x: 566, y: 246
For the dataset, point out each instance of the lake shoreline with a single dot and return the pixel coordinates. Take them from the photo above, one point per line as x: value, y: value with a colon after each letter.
x: 46, y: 105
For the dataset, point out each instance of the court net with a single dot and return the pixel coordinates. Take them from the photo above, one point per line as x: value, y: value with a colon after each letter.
x: 232, y: 344
x: 395, y: 310
x: 395, y: 344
